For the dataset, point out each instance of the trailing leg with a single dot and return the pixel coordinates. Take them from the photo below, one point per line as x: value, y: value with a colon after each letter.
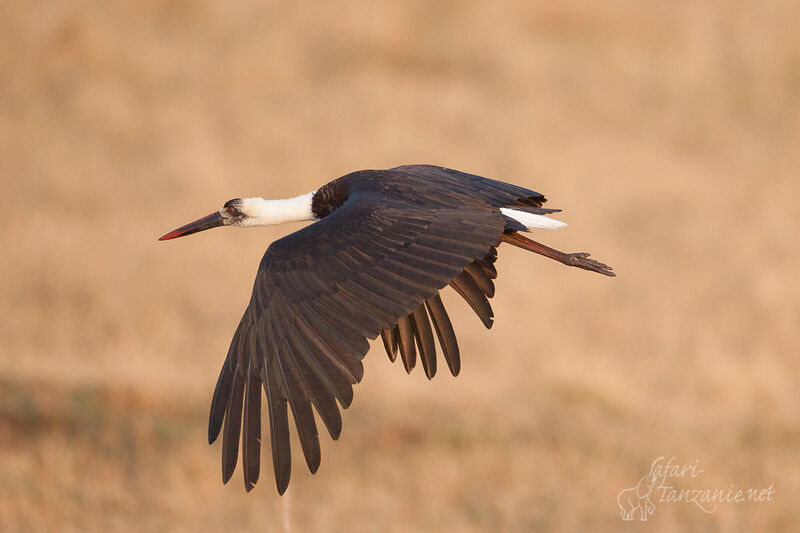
x: 580, y: 260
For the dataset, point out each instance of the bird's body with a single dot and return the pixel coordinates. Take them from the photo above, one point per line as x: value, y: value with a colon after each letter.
x: 384, y: 244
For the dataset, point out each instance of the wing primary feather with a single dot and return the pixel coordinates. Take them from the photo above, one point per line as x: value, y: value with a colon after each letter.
x: 330, y: 341
x: 489, y: 269
x: 232, y: 427
x: 312, y: 361
x: 301, y: 407
x: 483, y: 281
x: 387, y: 306
x: 410, y: 275
x: 222, y: 392
x: 423, y: 262
x: 337, y: 316
x: 427, y: 347
x: 312, y: 379
x: 351, y: 314
x: 318, y: 393
x: 278, y: 429
x: 251, y: 438
x: 487, y: 263
x: 389, y: 344
x: 468, y: 289
x: 468, y: 249
x: 322, y: 365
x: 408, y: 352
x: 327, y: 362
x: 385, y: 286
x: 432, y: 252
x: 219, y: 402
x: 404, y: 283
x: 444, y: 331
x: 396, y: 335
x: 342, y: 347
x: 277, y: 408
x: 334, y: 312
x: 370, y: 315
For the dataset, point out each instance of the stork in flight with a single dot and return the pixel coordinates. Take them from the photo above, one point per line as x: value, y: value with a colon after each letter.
x: 384, y: 243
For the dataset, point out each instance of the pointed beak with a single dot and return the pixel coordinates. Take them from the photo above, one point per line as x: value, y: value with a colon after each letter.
x: 211, y: 221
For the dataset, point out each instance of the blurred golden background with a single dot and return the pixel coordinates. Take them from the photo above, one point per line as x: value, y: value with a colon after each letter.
x: 667, y: 131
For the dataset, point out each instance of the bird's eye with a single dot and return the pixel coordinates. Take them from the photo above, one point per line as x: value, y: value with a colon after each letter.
x: 230, y: 210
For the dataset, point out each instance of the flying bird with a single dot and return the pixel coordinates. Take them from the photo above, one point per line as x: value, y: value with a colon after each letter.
x: 383, y: 245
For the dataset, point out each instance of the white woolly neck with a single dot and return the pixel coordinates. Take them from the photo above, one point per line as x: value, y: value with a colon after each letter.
x: 261, y: 212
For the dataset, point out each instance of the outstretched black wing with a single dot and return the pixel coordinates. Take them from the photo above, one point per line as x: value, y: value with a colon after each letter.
x: 319, y: 294
x: 388, y: 242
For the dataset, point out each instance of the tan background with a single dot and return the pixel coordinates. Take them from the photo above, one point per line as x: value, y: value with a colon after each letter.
x: 667, y: 131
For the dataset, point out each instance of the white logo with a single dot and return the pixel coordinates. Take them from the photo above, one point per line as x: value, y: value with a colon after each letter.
x: 637, y: 499
x: 660, y: 485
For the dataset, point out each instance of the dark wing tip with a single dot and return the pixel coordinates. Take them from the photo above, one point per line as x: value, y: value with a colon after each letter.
x: 407, y: 348
x: 468, y: 289
x: 313, y: 460
x: 282, y: 483
x: 227, y: 473
x: 219, y: 402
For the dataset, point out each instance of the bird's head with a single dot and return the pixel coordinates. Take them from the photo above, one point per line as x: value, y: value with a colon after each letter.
x: 240, y: 212
x: 247, y: 212
x: 235, y: 212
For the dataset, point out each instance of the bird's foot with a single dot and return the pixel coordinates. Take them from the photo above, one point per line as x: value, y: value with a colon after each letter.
x: 581, y: 260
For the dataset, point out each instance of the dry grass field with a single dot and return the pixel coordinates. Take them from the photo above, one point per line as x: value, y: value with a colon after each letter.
x: 667, y: 131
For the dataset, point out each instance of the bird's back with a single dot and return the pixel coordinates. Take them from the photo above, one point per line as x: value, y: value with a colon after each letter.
x: 423, y: 186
